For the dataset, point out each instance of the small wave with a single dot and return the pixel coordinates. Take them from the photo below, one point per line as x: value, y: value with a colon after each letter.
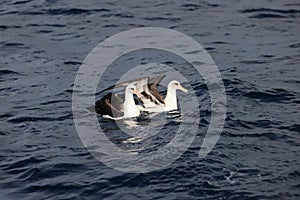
x: 55, y: 25
x: 48, y: 25
x: 72, y: 63
x: 295, y: 128
x: 295, y: 173
x: 70, y: 166
x: 3, y: 27
x: 7, y: 71
x: 59, y: 11
x: 13, y: 44
x: 110, y: 26
x: 5, y: 115
x: 172, y: 19
x: 268, y: 15
x: 235, y: 124
x: 74, y: 11
x: 253, y: 62
x: 271, y: 13
x: 38, y: 119
x: 219, y: 42
x: 255, y: 10
x: 233, y: 81
x: 32, y: 173
x: 275, y: 95
x: 44, y: 31
x: 53, y: 102
x: 267, y: 56
x: 24, y: 13
x: 297, y: 45
x: 124, y: 15
x: 24, y: 162
x: 193, y: 7
x: 209, y: 48
x: 269, y: 135
x: 242, y: 124
x: 263, y: 123
x: 21, y: 2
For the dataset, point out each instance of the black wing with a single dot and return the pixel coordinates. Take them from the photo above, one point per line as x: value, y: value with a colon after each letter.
x: 110, y: 105
x: 153, y: 87
x: 147, y: 87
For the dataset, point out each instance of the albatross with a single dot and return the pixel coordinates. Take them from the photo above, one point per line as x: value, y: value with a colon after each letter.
x: 113, y: 106
x: 150, y: 97
x: 171, y: 97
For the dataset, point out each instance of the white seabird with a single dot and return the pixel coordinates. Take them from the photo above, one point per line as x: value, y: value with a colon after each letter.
x: 113, y: 106
x: 151, y: 99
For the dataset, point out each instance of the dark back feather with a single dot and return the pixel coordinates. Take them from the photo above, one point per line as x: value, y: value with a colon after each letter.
x: 153, y: 87
x: 110, y: 104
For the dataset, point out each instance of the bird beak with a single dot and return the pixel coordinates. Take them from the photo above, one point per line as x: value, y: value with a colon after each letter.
x: 182, y: 89
x: 137, y: 93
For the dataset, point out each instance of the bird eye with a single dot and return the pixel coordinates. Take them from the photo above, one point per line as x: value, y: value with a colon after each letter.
x: 176, y: 83
x: 132, y: 88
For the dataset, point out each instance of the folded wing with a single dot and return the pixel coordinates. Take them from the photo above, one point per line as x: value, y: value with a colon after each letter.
x: 147, y: 87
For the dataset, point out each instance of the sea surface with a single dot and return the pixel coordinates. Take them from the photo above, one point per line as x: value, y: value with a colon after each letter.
x: 256, y: 46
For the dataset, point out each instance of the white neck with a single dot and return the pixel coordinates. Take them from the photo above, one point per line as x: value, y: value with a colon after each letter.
x: 171, y: 99
x: 130, y: 109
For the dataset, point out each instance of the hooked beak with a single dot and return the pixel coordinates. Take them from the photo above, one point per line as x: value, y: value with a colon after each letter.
x: 182, y: 89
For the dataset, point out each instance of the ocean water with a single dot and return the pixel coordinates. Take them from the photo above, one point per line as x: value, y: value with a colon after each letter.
x: 255, y: 45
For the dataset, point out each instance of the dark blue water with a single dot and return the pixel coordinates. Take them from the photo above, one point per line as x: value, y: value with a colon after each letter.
x: 256, y: 46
